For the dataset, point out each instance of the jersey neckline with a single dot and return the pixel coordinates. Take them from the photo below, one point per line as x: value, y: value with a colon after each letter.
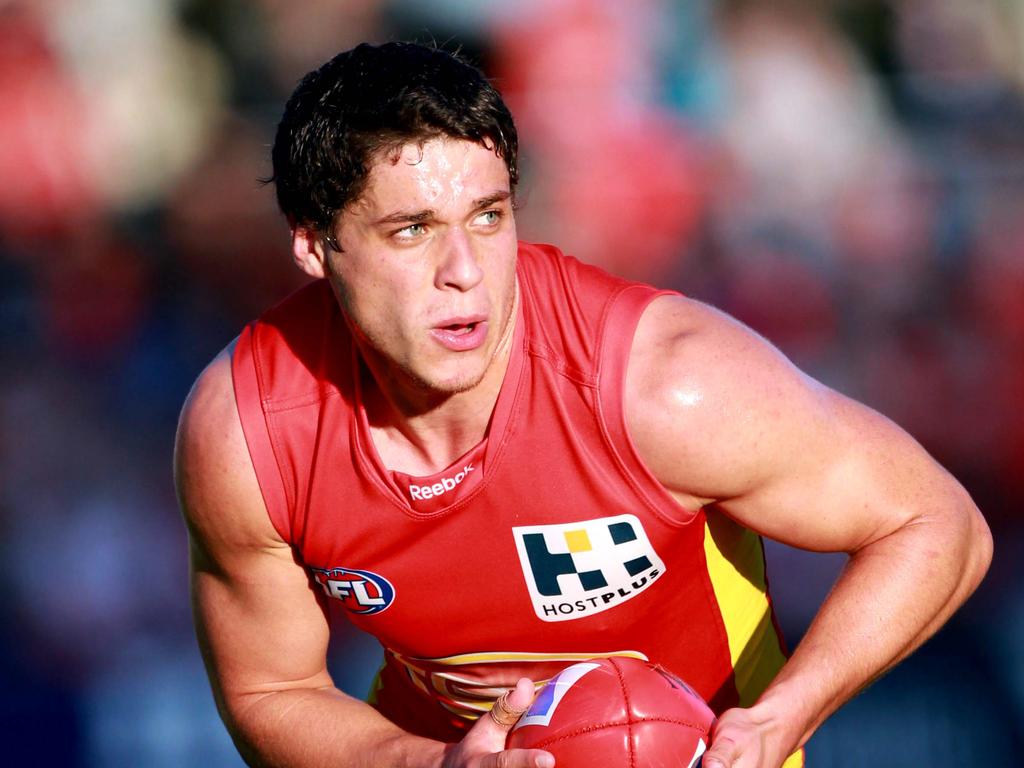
x: 491, y: 446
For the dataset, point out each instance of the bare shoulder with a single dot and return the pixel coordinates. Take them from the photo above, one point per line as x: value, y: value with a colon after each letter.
x: 260, y: 624
x: 704, y: 392
x: 722, y: 417
x: 217, y: 487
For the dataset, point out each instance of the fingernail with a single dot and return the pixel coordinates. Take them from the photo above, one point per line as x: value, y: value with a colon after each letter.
x: 545, y: 761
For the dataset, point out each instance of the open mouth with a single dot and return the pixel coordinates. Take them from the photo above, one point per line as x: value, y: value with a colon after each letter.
x: 462, y: 336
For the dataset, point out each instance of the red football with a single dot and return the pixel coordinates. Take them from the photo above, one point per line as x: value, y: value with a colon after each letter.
x: 616, y: 712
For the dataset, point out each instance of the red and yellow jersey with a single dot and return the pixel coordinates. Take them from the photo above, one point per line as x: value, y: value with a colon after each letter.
x: 549, y: 543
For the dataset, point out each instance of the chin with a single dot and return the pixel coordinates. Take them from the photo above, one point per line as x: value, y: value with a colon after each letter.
x: 462, y: 381
x: 451, y: 373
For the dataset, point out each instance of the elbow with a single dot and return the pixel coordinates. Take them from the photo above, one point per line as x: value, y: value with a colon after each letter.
x: 968, y: 540
x: 980, y: 546
x: 243, y: 726
x: 956, y: 542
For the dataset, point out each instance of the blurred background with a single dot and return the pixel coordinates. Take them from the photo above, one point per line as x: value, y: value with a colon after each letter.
x: 845, y: 177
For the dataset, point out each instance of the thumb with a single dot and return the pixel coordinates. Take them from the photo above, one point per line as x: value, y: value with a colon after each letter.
x: 492, y: 728
x: 722, y: 754
x: 510, y: 707
x: 522, y: 695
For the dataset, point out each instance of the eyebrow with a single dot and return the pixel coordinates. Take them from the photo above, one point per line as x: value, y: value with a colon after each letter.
x: 417, y: 217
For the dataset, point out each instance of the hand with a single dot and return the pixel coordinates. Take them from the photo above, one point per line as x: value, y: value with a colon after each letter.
x: 483, y: 746
x: 740, y: 739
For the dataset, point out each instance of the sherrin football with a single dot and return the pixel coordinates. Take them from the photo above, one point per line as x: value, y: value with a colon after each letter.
x: 615, y: 712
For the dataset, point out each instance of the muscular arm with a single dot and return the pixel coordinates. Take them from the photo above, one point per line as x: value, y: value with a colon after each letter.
x: 723, y: 419
x: 261, y: 627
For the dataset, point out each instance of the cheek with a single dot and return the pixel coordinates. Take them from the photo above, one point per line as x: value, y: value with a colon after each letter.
x: 384, y: 307
x: 371, y: 285
x: 503, y: 266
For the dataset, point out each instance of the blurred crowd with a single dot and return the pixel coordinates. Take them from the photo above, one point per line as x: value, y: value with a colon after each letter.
x: 847, y: 177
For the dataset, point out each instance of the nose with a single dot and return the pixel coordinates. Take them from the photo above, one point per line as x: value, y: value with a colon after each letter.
x: 459, y: 267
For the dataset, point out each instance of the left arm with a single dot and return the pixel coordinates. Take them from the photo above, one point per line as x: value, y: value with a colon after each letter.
x: 789, y: 458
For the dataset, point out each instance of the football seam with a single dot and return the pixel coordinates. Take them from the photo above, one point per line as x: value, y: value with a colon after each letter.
x: 629, y: 714
x: 600, y: 726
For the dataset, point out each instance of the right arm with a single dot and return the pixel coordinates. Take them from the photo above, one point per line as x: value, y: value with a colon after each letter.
x: 262, y: 627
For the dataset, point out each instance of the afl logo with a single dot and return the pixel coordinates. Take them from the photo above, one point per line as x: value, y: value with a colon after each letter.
x: 362, y: 592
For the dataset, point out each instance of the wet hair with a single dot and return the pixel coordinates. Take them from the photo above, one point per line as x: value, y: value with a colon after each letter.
x: 372, y: 99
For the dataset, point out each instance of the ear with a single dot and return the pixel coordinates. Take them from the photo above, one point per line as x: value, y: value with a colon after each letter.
x: 308, y: 250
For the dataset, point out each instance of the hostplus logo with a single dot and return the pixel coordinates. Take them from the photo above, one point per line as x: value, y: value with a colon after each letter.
x: 437, y: 489
x: 578, y: 569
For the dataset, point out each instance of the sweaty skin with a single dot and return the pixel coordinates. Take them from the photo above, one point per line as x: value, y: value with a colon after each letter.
x: 433, y: 240
x: 799, y: 463
x: 719, y: 416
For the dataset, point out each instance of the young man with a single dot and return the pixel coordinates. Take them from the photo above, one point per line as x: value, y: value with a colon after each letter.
x: 499, y: 461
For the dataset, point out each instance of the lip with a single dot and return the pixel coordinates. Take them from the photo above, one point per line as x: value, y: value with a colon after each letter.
x: 460, y: 339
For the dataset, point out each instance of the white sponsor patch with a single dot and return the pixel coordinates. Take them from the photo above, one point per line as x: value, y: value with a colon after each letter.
x: 578, y: 569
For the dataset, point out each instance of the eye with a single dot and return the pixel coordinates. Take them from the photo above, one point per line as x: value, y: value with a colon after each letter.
x: 489, y: 218
x: 410, y: 232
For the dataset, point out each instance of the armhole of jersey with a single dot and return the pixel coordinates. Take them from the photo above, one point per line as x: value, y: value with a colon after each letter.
x: 618, y: 331
x: 245, y: 376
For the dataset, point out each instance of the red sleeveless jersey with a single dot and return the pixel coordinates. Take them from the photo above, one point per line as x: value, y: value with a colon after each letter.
x: 549, y: 543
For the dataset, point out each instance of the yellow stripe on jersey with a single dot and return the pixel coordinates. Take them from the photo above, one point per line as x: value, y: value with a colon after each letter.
x: 796, y: 760
x: 503, y: 657
x: 736, y: 568
x: 735, y: 563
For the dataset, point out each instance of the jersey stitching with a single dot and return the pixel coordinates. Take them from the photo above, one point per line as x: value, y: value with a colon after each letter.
x: 272, y: 435
x: 283, y: 404
x: 602, y: 421
x: 544, y: 351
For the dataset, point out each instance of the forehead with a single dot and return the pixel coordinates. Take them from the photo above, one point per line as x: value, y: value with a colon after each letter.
x: 433, y: 174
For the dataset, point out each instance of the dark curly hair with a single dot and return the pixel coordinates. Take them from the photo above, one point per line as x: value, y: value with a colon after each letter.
x: 375, y: 98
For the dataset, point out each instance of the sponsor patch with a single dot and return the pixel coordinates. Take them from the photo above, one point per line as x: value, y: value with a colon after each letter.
x: 578, y: 569
x: 360, y: 592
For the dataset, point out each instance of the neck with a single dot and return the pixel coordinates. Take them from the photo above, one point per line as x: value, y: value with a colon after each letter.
x: 419, y: 431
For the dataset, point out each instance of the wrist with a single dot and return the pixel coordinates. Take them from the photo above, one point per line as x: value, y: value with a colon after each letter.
x: 785, y: 718
x: 409, y: 751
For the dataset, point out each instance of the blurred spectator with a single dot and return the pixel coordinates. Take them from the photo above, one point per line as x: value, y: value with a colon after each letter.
x: 154, y: 93
x: 44, y: 132
x: 853, y: 190
x: 619, y: 182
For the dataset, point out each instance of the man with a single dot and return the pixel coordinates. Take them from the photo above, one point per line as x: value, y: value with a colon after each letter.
x: 499, y: 461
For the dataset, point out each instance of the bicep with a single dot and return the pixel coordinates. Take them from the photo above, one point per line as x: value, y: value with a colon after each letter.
x: 721, y: 417
x: 261, y: 626
x: 839, y: 477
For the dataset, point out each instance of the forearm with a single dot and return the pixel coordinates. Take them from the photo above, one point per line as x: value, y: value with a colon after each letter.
x: 893, y: 595
x: 324, y: 727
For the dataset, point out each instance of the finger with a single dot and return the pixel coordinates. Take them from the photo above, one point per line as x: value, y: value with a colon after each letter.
x: 723, y: 753
x: 511, y: 705
x: 519, y: 758
x: 522, y: 695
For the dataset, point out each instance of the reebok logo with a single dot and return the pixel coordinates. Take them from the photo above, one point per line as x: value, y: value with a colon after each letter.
x: 437, y: 489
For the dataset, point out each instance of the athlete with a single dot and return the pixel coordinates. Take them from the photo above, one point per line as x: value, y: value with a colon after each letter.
x: 499, y: 461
